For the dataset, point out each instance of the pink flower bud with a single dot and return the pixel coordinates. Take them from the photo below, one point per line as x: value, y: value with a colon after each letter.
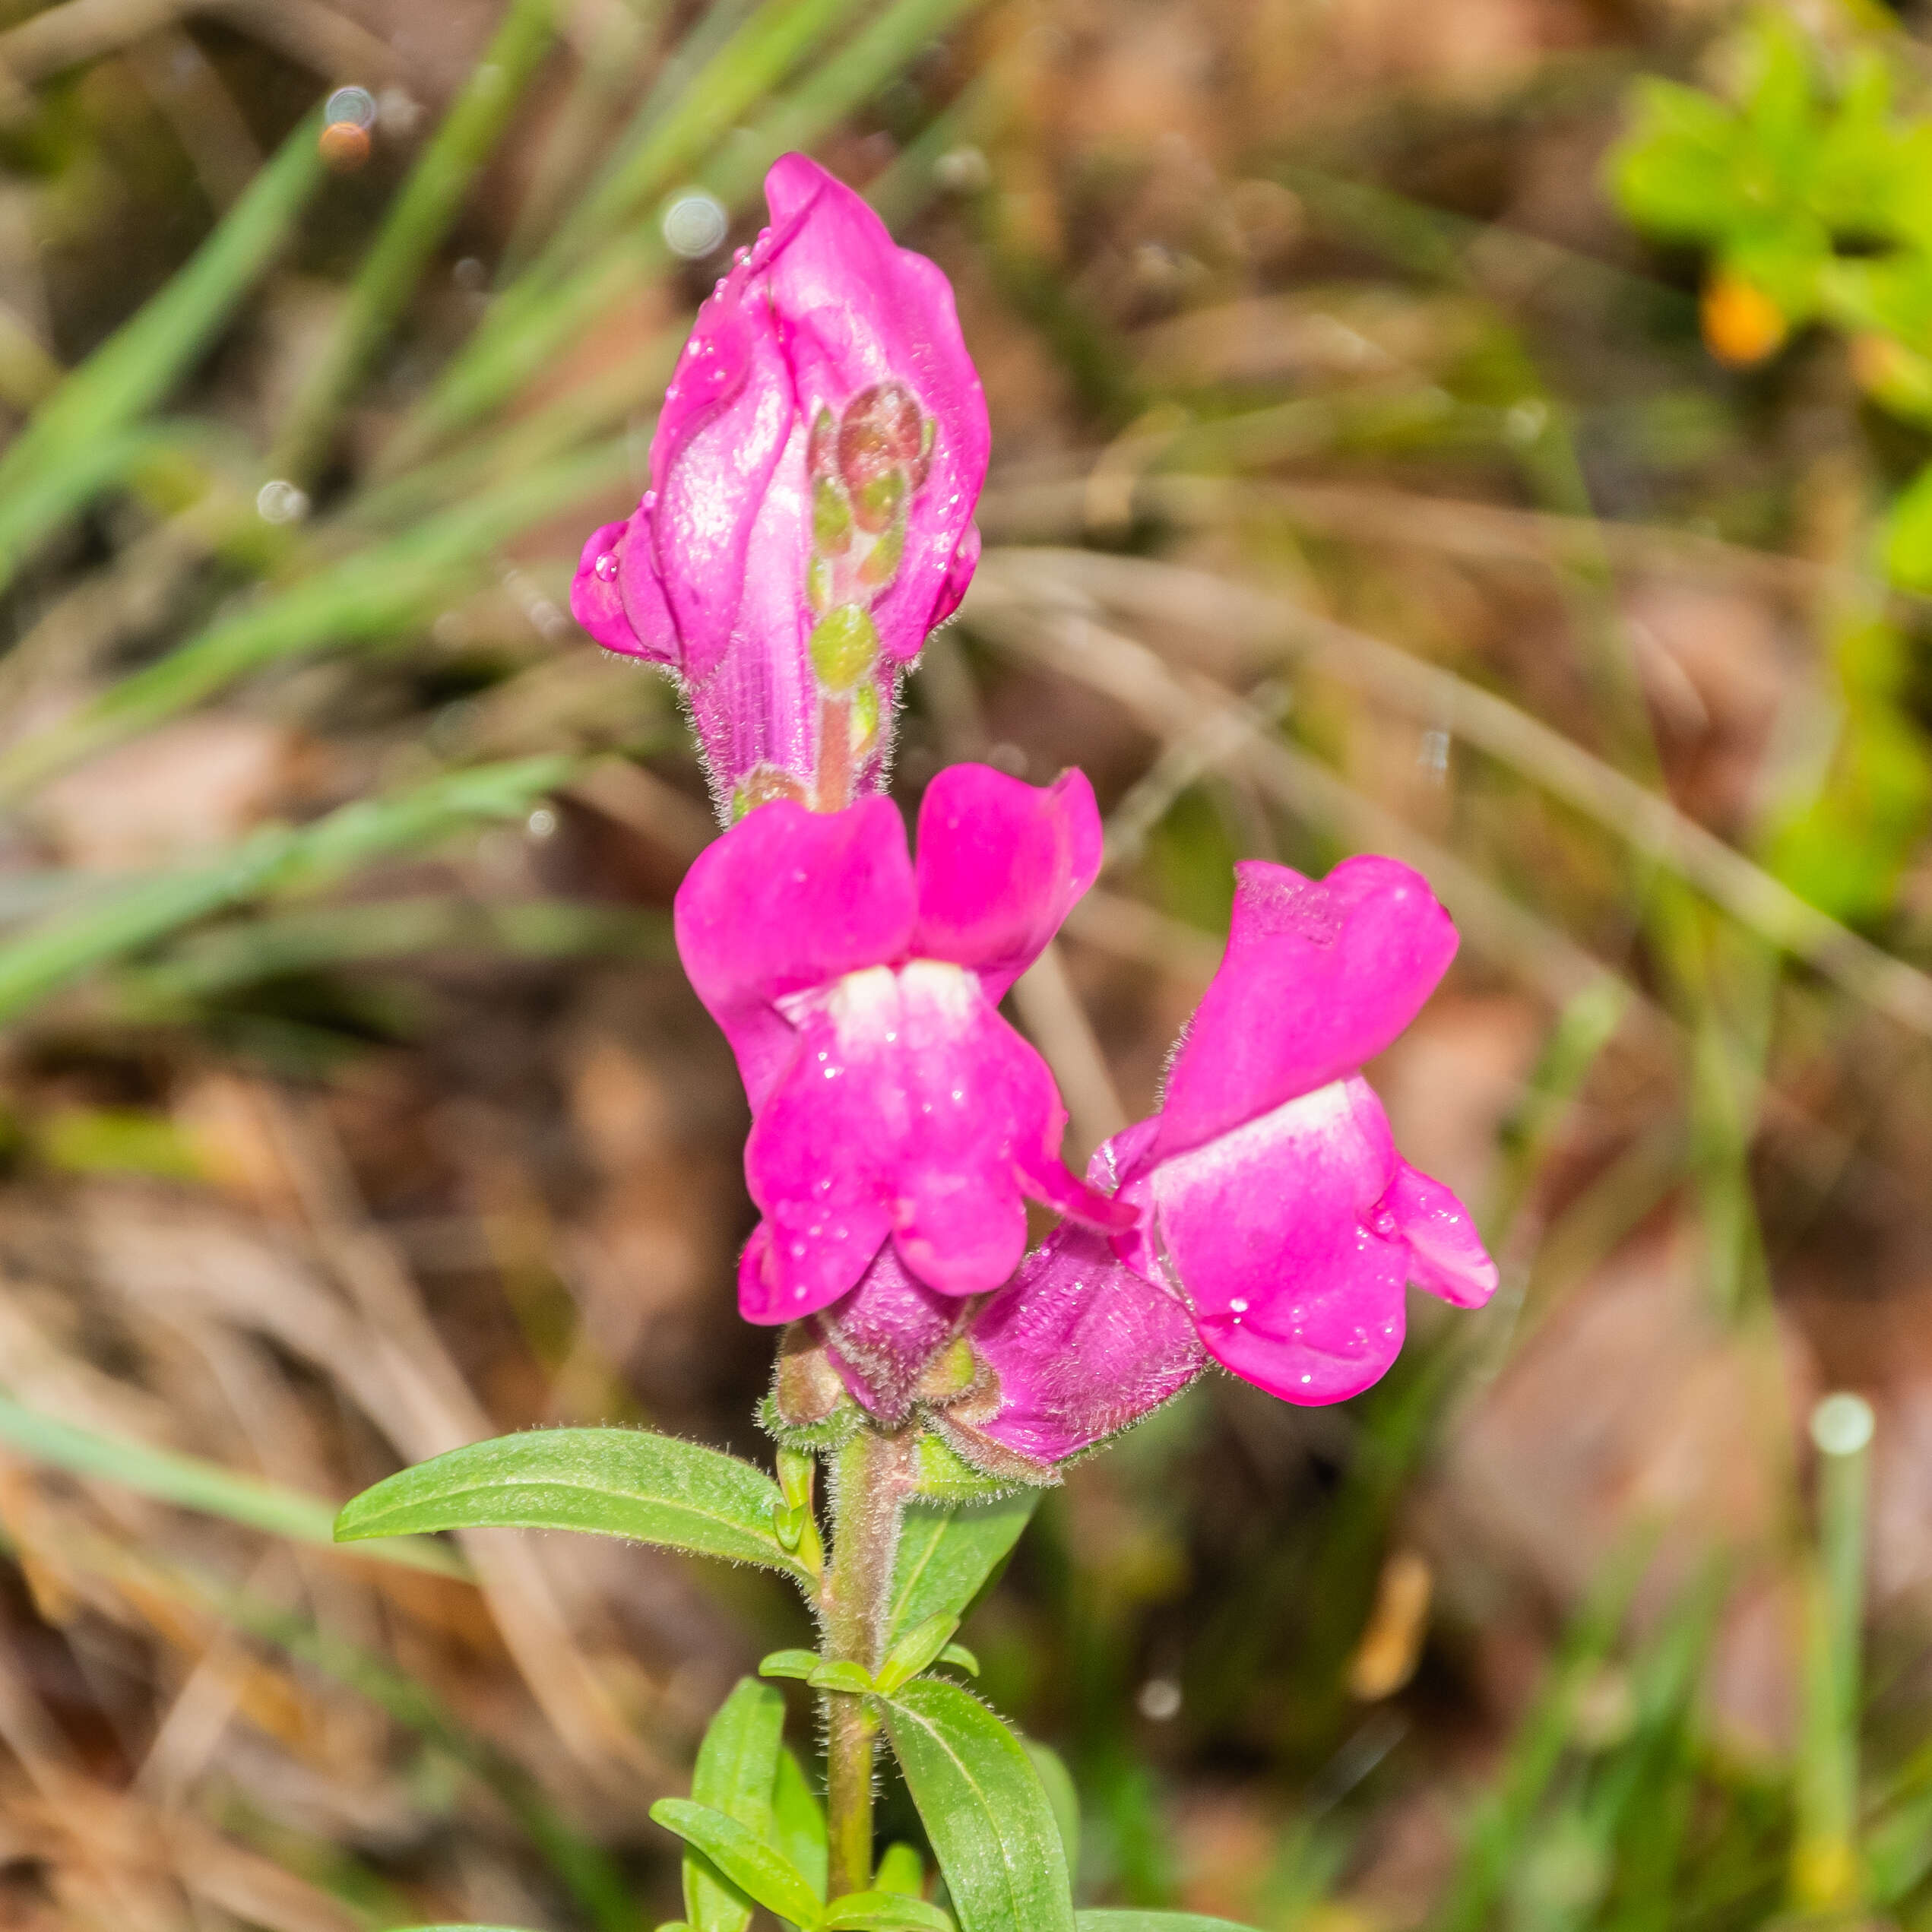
x: 821, y: 445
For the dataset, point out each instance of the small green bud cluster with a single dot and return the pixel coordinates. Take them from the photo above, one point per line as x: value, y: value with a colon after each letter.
x: 865, y: 463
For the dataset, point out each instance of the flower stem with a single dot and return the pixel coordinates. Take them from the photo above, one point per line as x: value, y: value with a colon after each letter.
x: 872, y: 1480
x: 834, y: 789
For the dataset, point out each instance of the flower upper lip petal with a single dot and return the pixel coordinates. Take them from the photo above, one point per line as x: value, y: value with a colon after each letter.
x: 1000, y: 864
x: 1319, y: 977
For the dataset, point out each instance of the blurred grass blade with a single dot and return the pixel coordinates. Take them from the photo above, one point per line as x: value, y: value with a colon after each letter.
x: 1825, y: 1875
x: 362, y: 598
x: 518, y: 340
x: 189, y: 1483
x: 416, y: 223
x: 532, y: 319
x: 1501, y: 1831
x: 139, y: 364
x: 59, y: 950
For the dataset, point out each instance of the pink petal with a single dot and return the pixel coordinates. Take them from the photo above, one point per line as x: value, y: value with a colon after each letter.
x: 1317, y: 980
x: 1082, y: 1347
x: 1277, y: 1235
x: 884, y: 1334
x: 1000, y: 862
x: 729, y: 419
x: 856, y: 309
x: 933, y: 1107
x: 959, y: 575
x: 1446, y: 1255
x: 616, y: 596
x: 786, y: 900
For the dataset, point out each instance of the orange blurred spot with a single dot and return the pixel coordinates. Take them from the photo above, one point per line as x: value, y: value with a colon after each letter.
x: 344, y: 146
x: 1741, y: 324
x: 1386, y: 1659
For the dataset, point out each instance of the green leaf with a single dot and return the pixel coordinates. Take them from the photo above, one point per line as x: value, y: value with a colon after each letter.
x: 841, y: 1673
x: 948, y: 1554
x: 755, y: 1867
x: 799, y: 1663
x: 887, y: 1911
x: 798, y: 1821
x: 919, y: 1646
x: 612, y: 1482
x: 1136, y: 1921
x: 984, y: 1809
x: 966, y: 1660
x: 1057, y: 1781
x: 901, y: 1870
x: 737, y: 1762
x: 191, y: 1483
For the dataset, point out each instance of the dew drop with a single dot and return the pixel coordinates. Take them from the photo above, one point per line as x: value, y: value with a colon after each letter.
x: 606, y: 568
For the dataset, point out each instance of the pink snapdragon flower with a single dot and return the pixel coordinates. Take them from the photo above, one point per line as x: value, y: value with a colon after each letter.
x: 1278, y: 1227
x: 809, y: 517
x: 1276, y: 1206
x: 891, y: 1103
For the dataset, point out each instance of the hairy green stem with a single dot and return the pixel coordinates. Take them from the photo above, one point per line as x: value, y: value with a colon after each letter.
x: 871, y: 1481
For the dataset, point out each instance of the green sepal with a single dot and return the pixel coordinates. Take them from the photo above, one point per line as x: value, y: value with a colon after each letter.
x: 834, y: 1432
x: 945, y: 1476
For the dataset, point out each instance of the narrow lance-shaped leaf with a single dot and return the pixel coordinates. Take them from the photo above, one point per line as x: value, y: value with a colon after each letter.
x: 983, y: 1808
x: 946, y: 1555
x: 612, y: 1482
x: 737, y: 1765
x: 885, y: 1911
x: 1057, y: 1781
x: 759, y: 1870
x: 798, y: 1821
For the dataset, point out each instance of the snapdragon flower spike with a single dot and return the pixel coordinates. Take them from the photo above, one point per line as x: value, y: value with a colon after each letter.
x: 1277, y: 1208
x: 809, y: 517
x: 859, y: 992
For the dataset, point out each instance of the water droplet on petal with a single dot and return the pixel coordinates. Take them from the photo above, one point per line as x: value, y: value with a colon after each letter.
x: 606, y: 568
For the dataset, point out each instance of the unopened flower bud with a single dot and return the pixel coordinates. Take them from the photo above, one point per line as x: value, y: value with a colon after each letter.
x: 821, y: 451
x: 882, y: 431
x: 749, y: 537
x: 845, y: 647
x: 832, y: 518
x: 876, y: 504
x: 760, y: 787
x: 865, y: 718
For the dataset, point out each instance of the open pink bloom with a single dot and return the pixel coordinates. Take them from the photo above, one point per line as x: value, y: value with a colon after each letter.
x: 813, y: 482
x: 859, y: 992
x: 1277, y: 1207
